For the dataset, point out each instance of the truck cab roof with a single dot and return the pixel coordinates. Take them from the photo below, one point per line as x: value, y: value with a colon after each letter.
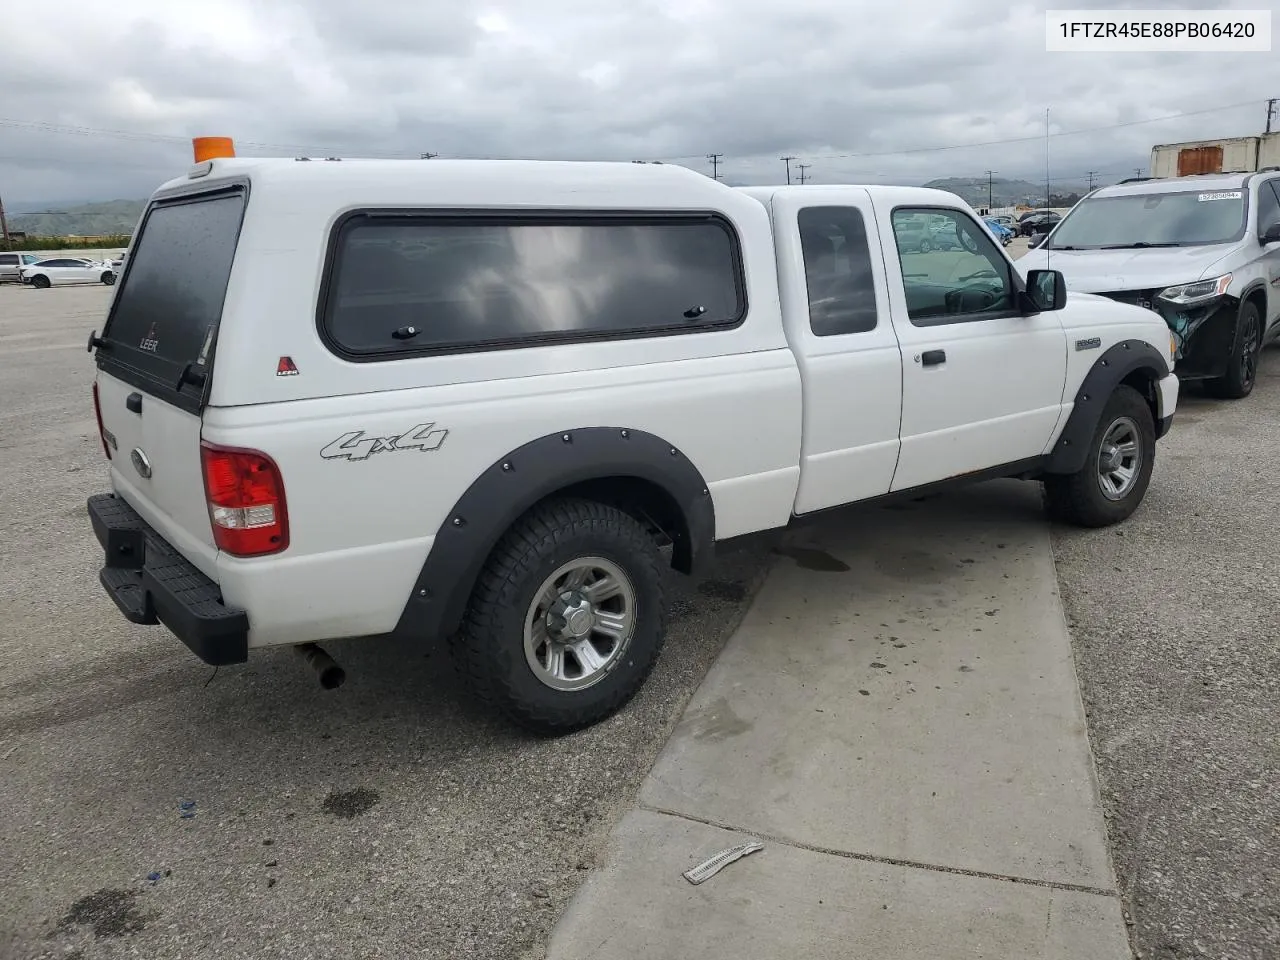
x: 914, y: 196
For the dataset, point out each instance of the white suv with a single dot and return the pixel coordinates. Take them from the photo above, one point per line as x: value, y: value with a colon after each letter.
x: 1202, y: 251
x: 497, y: 401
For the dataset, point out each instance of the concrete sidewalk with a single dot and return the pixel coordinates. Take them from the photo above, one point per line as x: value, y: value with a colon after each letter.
x: 898, y: 721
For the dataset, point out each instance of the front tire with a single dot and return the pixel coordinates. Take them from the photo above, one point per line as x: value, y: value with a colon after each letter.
x: 108, y: 278
x: 567, y: 617
x: 1117, y: 471
x: 1242, y: 368
x: 40, y: 282
x: 925, y: 246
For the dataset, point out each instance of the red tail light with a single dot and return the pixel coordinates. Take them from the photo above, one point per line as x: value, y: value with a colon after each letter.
x: 246, y: 501
x: 97, y: 412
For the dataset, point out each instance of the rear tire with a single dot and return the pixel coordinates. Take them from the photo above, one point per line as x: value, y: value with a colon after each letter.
x: 1117, y: 470
x: 567, y: 617
x: 1242, y: 368
x: 926, y: 246
x: 40, y: 282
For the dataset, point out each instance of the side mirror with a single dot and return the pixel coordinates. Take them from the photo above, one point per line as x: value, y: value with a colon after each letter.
x: 1271, y: 234
x: 1048, y: 289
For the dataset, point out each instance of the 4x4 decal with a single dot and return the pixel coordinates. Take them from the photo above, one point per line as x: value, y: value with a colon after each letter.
x: 356, y: 446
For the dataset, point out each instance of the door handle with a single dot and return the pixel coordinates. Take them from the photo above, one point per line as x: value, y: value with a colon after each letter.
x: 931, y: 358
x: 134, y: 403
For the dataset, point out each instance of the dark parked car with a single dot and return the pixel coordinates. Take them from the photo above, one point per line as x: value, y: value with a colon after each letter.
x: 1039, y: 221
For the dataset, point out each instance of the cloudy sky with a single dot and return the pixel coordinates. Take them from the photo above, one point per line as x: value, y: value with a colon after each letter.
x: 102, y: 104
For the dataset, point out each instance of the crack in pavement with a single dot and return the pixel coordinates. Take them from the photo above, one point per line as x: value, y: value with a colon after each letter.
x: 888, y: 861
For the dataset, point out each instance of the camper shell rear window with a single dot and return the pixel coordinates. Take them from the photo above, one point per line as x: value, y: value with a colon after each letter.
x: 163, y: 321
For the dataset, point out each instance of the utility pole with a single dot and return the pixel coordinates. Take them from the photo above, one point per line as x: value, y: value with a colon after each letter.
x: 715, y: 164
x: 428, y: 156
x: 1137, y: 171
x: 787, y: 161
x: 803, y: 167
x: 4, y: 225
x: 990, y: 187
x: 1090, y: 176
x: 1271, y: 113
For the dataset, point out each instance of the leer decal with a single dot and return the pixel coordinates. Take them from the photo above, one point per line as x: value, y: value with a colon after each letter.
x: 150, y: 343
x: 356, y: 446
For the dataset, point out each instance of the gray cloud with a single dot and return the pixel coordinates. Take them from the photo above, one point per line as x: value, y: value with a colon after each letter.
x: 656, y: 79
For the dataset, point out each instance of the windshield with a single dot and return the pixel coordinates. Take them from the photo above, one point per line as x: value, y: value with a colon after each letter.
x: 1184, y: 219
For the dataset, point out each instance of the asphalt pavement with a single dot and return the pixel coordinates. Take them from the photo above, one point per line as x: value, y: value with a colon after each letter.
x: 154, y: 808
x: 1175, y: 618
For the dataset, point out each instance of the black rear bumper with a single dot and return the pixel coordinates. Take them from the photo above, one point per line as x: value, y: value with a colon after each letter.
x: 152, y: 583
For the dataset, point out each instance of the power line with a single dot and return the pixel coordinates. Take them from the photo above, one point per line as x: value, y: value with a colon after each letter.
x: 715, y: 164
x: 788, y: 160
x: 1036, y: 138
x: 89, y: 162
x: 863, y: 177
x: 62, y: 129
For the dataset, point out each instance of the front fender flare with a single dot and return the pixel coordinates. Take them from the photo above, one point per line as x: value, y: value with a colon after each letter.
x: 540, y: 468
x: 1120, y: 360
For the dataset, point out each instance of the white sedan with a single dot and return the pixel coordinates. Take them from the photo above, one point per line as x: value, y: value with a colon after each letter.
x: 63, y: 270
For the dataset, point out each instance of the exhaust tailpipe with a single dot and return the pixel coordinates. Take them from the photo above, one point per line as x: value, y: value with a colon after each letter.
x: 330, y: 674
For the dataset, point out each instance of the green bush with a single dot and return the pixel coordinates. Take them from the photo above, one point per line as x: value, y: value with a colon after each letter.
x: 68, y: 243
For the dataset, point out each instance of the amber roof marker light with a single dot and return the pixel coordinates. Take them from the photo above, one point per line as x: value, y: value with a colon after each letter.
x: 212, y: 148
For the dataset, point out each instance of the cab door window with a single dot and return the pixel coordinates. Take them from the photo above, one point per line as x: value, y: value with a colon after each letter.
x: 952, y: 270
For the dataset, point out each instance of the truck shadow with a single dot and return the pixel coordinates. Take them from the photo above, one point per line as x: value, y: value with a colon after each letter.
x: 408, y: 689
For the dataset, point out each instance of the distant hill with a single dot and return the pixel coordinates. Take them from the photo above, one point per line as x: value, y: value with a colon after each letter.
x: 1004, y: 193
x: 82, y: 220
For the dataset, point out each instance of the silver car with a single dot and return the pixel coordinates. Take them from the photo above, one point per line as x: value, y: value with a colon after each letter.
x: 11, y: 265
x: 1201, y: 251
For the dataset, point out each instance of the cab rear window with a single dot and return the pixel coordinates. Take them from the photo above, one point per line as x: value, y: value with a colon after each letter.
x: 166, y: 311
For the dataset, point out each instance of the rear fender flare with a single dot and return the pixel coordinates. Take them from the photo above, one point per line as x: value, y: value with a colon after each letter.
x: 534, y: 472
x: 1120, y: 360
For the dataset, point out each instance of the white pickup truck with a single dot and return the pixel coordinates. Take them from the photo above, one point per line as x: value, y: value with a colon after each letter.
x: 491, y: 401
